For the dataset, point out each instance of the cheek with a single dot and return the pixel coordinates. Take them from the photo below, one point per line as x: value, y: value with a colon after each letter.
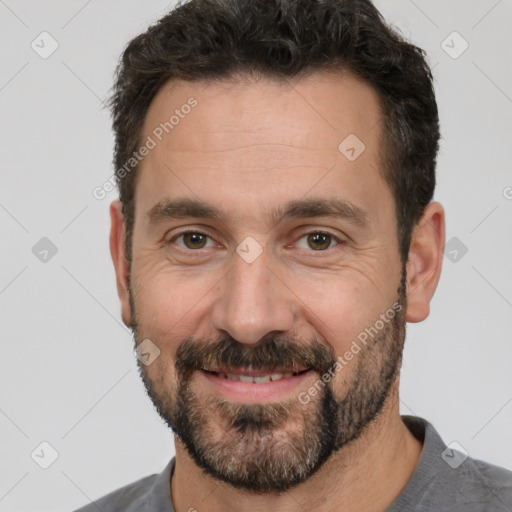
x: 341, y: 307
x: 170, y: 303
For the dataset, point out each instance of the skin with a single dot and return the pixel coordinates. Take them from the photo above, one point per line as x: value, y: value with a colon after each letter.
x: 248, y: 146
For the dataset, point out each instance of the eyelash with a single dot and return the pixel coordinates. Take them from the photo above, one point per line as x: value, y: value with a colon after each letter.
x: 200, y: 251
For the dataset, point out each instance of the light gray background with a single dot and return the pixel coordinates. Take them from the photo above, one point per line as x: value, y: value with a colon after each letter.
x: 68, y: 373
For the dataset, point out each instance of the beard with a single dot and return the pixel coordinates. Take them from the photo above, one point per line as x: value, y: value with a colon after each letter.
x: 272, y: 447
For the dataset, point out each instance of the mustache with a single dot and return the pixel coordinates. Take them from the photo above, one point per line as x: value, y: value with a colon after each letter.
x: 269, y: 354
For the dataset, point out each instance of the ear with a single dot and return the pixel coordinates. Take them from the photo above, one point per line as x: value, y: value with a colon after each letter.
x: 121, y: 265
x: 425, y: 262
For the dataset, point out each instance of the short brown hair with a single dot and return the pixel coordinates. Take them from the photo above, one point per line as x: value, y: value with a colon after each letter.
x: 214, y: 39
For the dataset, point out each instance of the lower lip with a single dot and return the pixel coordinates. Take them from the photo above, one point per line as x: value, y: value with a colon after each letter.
x: 252, y: 392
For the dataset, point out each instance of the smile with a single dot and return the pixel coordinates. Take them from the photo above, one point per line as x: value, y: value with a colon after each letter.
x: 255, y: 377
x: 255, y: 386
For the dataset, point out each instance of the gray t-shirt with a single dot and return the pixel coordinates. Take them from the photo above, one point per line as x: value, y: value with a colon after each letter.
x: 443, y: 481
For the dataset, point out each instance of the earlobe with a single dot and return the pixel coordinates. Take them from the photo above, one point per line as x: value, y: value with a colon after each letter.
x: 118, y: 254
x: 425, y: 262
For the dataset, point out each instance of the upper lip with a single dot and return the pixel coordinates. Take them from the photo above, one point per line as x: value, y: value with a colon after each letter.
x: 253, y: 373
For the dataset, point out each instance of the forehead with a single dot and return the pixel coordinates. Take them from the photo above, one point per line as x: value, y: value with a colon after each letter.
x: 266, y: 109
x: 263, y: 139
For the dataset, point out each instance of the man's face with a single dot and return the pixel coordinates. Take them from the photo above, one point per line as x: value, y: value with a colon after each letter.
x: 251, y: 309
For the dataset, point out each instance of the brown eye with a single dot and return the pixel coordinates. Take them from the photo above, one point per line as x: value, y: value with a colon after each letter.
x: 319, y: 241
x: 194, y: 240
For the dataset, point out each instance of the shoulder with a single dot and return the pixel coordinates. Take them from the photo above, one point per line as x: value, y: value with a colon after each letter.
x: 123, y: 499
x: 446, y: 479
x: 150, y: 493
x: 482, y: 483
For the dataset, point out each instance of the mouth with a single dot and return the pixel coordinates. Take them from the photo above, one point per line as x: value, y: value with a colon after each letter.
x: 255, y: 386
x: 255, y: 376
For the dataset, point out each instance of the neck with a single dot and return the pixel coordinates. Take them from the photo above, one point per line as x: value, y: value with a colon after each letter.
x: 367, y: 474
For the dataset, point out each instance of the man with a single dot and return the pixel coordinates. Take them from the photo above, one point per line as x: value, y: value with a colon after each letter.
x: 275, y: 232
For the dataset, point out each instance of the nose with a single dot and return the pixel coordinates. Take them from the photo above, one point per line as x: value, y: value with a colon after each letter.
x: 253, y: 302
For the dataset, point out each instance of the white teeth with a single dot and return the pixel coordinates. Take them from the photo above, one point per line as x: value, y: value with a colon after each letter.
x: 264, y: 378
x: 258, y: 380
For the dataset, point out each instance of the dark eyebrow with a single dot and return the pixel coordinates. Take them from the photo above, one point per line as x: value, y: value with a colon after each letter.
x: 297, y: 209
x: 181, y: 209
x: 309, y: 208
